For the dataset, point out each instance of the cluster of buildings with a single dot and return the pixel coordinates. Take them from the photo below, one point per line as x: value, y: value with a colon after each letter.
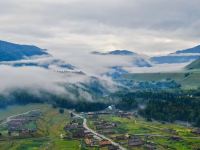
x: 133, y: 141
x: 23, y: 125
x: 111, y: 110
x: 105, y: 127
x: 75, y: 130
x: 110, y: 129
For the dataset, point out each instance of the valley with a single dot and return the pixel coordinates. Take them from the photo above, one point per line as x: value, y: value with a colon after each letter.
x: 126, y: 129
x: 99, y: 75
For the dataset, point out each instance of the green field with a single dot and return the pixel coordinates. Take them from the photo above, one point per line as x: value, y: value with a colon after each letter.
x: 191, y: 81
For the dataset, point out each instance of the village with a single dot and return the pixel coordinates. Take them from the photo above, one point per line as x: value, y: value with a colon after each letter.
x: 20, y: 126
x: 111, y: 130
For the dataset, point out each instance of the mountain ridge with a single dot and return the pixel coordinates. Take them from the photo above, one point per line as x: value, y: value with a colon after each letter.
x: 12, y: 52
x: 115, y: 52
x: 180, y: 56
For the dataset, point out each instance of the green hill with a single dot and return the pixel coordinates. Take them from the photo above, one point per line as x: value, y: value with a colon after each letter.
x: 194, y: 65
x: 188, y: 80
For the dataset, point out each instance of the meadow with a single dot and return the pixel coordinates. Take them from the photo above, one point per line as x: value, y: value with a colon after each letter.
x: 187, y: 79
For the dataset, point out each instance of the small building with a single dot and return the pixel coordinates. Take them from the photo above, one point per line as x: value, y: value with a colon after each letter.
x: 135, y: 141
x: 79, y: 133
x: 107, y: 131
x: 88, y: 135
x: 24, y: 133
x: 171, y: 131
x: 104, y: 143
x: 73, y: 126
x: 196, y: 131
x: 112, y: 147
x: 121, y: 137
x: 175, y: 138
x: 150, y: 146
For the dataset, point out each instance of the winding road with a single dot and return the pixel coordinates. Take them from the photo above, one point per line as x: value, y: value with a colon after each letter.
x: 97, y: 134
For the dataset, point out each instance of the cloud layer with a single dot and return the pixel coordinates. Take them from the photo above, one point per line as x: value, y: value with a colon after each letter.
x: 150, y: 27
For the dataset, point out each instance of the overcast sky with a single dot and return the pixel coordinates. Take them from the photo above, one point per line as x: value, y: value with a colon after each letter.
x: 145, y: 26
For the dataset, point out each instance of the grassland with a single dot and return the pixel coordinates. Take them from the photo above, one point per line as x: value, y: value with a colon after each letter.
x: 191, y: 81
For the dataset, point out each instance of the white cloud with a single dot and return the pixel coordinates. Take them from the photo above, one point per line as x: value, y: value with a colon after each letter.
x: 150, y: 27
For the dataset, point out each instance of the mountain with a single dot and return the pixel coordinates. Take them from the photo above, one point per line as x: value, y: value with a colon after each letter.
x: 12, y: 52
x: 138, y: 60
x: 194, y: 65
x: 195, y: 49
x: 180, y: 56
x: 121, y: 52
x: 116, y: 52
x: 17, y: 55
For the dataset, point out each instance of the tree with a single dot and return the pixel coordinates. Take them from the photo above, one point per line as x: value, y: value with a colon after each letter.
x: 61, y: 110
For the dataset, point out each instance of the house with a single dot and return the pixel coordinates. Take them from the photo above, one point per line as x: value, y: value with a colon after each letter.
x: 104, y: 143
x: 107, y: 131
x: 135, y: 141
x: 171, y: 131
x: 105, y: 125
x: 73, y: 126
x: 197, y: 131
x: 79, y: 133
x: 112, y: 147
x: 150, y: 146
x: 92, y: 142
x: 24, y: 133
x: 175, y: 138
x: 88, y: 134
x: 122, y: 114
x: 121, y: 137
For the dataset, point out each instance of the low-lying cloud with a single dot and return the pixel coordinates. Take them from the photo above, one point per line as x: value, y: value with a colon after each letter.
x: 33, y: 78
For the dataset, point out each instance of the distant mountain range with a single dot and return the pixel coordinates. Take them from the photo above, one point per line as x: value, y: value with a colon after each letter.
x: 19, y: 55
x: 180, y: 56
x: 12, y: 52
